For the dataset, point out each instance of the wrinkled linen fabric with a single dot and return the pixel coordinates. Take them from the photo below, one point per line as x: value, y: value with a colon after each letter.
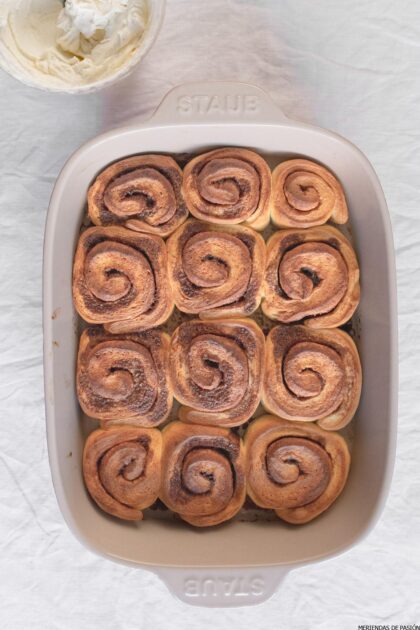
x: 351, y: 66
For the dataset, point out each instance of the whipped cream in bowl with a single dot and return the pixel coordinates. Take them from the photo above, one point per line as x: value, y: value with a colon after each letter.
x: 76, y: 46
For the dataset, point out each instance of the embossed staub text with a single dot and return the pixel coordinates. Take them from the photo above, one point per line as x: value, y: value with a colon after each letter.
x: 226, y: 104
x: 209, y: 587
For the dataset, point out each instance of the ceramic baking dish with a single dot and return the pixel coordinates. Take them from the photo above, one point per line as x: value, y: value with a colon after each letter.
x: 238, y: 563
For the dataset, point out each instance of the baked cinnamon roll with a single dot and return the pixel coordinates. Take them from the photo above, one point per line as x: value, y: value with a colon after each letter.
x: 216, y: 369
x: 202, y: 473
x: 298, y: 470
x: 216, y: 271
x: 306, y: 194
x: 120, y: 279
x: 142, y: 193
x: 123, y: 379
x: 311, y: 276
x: 312, y: 375
x: 228, y: 186
x: 121, y: 468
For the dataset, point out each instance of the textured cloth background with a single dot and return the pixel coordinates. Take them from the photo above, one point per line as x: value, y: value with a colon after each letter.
x: 351, y: 66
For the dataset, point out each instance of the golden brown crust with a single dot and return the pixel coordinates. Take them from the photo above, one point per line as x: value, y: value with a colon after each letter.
x: 124, y: 378
x: 121, y: 468
x: 202, y: 473
x: 298, y: 470
x: 142, y: 193
x: 306, y: 194
x: 216, y: 271
x: 120, y: 279
x: 228, y: 186
x: 216, y: 369
x: 312, y: 375
x: 311, y: 276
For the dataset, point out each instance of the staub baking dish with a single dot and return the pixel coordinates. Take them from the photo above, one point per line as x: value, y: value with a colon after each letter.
x: 239, y: 563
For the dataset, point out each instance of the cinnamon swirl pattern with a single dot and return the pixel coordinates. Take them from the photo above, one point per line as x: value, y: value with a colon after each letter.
x: 142, y: 193
x: 123, y: 378
x: 216, y: 271
x: 202, y: 473
x: 228, y: 186
x: 121, y: 468
x: 312, y: 375
x: 216, y: 370
x: 296, y: 470
x: 306, y: 194
x: 218, y: 366
x: 120, y: 279
x: 311, y: 276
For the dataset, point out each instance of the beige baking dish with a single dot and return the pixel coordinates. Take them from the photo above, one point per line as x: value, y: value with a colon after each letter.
x: 239, y: 563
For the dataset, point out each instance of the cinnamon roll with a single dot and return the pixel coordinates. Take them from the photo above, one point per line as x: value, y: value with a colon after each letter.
x: 142, y: 193
x: 121, y: 468
x: 297, y: 470
x: 123, y: 379
x: 228, y: 186
x: 306, y: 194
x: 312, y: 375
x: 216, y: 370
x: 202, y: 473
x: 120, y: 279
x: 216, y: 271
x: 311, y: 276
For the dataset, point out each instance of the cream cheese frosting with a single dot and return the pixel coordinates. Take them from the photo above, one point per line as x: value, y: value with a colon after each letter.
x: 72, y: 45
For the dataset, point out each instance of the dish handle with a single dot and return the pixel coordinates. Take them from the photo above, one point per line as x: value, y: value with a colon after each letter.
x: 223, y: 588
x: 217, y: 102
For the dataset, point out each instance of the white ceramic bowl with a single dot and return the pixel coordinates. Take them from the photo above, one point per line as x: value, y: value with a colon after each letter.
x: 10, y: 64
x: 238, y: 563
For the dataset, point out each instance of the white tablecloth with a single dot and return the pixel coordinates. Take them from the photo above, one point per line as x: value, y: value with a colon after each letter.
x: 351, y: 66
